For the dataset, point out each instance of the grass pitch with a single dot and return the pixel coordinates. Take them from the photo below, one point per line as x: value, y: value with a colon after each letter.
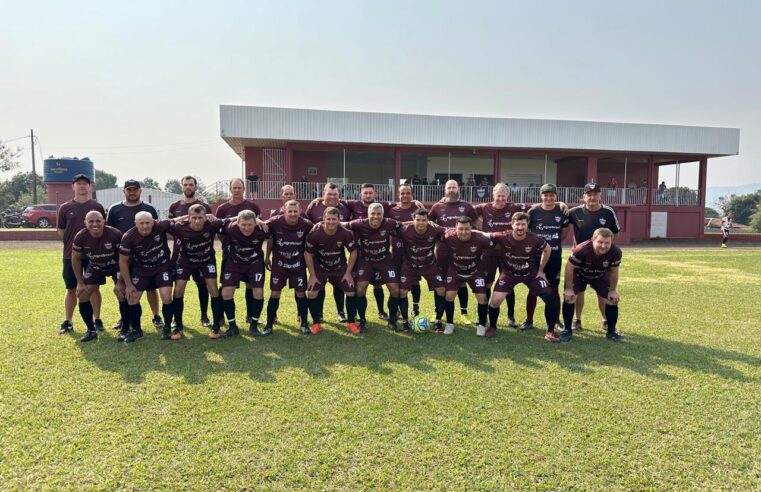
x: 677, y: 407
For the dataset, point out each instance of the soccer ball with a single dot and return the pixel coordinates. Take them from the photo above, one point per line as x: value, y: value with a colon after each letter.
x: 420, y: 324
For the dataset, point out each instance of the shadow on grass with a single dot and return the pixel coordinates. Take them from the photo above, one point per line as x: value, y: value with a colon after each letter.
x: 197, y: 358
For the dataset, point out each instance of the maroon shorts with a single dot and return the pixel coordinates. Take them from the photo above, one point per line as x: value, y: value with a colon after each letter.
x: 536, y: 286
x: 152, y: 280
x: 335, y: 277
x: 296, y: 279
x: 489, y: 265
x: 397, y: 255
x: 600, y: 285
x: 453, y: 281
x: 410, y: 276
x: 442, y: 259
x: 198, y: 272
x: 98, y: 277
x: 235, y: 273
x: 380, y: 273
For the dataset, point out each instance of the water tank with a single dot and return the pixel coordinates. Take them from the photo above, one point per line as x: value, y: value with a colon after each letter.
x: 63, y: 169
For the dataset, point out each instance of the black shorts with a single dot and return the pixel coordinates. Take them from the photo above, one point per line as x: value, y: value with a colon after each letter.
x: 553, y: 268
x: 69, y: 279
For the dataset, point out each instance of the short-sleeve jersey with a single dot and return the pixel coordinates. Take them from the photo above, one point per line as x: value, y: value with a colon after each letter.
x: 359, y: 209
x: 71, y: 219
x: 147, y: 252
x: 519, y: 257
x: 196, y: 247
x: 446, y: 214
x: 242, y: 249
x: 465, y: 256
x: 180, y: 208
x: 374, y: 244
x: 726, y: 223
x: 585, y: 222
x: 328, y: 250
x: 548, y: 224
x: 316, y: 209
x: 498, y: 219
x: 227, y: 209
x: 103, y: 251
x: 394, y: 211
x: 288, y: 241
x: 589, y: 264
x: 123, y: 217
x: 419, y: 248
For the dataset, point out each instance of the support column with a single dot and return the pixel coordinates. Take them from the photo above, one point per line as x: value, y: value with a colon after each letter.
x: 497, y: 166
x: 591, y: 169
x: 288, y: 163
x: 702, y: 183
x: 397, y: 173
x: 649, y: 193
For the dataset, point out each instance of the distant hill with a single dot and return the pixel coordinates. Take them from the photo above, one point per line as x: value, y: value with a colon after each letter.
x: 714, y: 192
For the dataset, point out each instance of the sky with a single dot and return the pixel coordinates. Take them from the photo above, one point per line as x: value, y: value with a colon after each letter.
x: 136, y: 86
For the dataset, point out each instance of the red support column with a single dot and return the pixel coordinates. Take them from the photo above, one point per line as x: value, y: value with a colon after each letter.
x: 591, y: 169
x: 497, y: 167
x: 702, y: 175
x: 397, y: 172
x: 288, y: 163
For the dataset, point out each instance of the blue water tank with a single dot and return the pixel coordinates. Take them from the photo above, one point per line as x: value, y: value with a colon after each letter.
x: 63, y: 170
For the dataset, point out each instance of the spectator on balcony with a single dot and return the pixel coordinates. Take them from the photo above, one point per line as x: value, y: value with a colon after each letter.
x: 643, y: 183
x: 612, y: 185
x: 304, y: 178
x: 415, y: 180
x: 484, y: 181
x: 252, y: 182
x: 662, y: 188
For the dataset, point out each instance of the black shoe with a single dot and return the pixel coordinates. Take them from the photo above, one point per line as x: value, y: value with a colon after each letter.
x: 565, y: 335
x: 382, y: 315
x: 406, y: 325
x: 363, y: 326
x: 391, y: 325
x: 267, y: 330
x: 232, y: 330
x: 133, y: 336
x: 166, y: 333
x: 253, y: 329
x: 90, y: 335
x: 99, y: 325
x: 305, y: 330
x: 117, y: 326
x: 527, y: 325
x: 158, y: 323
x: 438, y: 326
x: 341, y: 317
x: 415, y: 309
x: 122, y: 335
x: 205, y: 321
x: 614, y: 336
x: 66, y: 327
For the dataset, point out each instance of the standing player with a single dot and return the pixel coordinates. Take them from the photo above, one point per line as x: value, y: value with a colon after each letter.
x: 288, y: 239
x: 98, y: 243
x: 497, y: 217
x: 595, y: 263
x: 144, y: 263
x: 548, y: 221
x: 326, y: 262
x: 464, y: 267
x: 586, y: 219
x: 71, y: 220
x: 520, y: 248
x: 179, y: 209
x: 726, y: 227
x: 404, y: 211
x: 446, y: 213
x: 122, y: 216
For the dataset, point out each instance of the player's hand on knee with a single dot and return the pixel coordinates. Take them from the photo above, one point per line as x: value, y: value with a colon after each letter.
x: 613, y: 297
x: 80, y: 290
x: 313, y: 284
x: 569, y: 296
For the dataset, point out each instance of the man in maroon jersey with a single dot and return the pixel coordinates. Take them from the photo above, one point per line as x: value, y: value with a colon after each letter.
x: 375, y: 264
x: 99, y: 244
x: 519, y: 250
x: 404, y: 211
x: 419, y: 240
x: 446, y: 214
x: 145, y: 263
x: 178, y: 209
x: 496, y: 217
x: 326, y: 262
x: 595, y: 263
x: 288, y: 239
x: 244, y: 238
x: 465, y: 248
x: 71, y: 220
x: 331, y: 197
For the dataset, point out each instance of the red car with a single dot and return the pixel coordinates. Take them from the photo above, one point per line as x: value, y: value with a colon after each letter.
x: 43, y: 215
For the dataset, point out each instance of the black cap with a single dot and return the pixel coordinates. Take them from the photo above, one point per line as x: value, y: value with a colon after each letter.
x: 548, y: 188
x: 592, y: 187
x: 132, y: 183
x: 81, y: 176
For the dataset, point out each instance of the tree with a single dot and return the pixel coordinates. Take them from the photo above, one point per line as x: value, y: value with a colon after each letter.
x: 8, y: 157
x: 104, y: 180
x: 16, y: 192
x: 150, y: 183
x: 711, y: 213
x: 173, y: 186
x: 755, y: 220
x: 741, y: 206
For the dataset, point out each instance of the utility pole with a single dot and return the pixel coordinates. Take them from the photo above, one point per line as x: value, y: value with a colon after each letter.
x: 34, y: 171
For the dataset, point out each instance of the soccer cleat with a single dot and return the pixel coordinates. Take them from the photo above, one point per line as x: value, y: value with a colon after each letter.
x: 511, y: 323
x: 122, y: 335
x: 158, y: 323
x: 90, y: 335
x: 415, y: 309
x: 438, y: 326
x: 315, y: 329
x: 392, y: 326
x: 305, y: 330
x: 352, y: 327
x: 723, y: 245
x: 166, y: 333
x: 527, y: 325
x: 406, y: 325
x: 614, y: 336
x: 214, y: 334
x: 382, y: 315
x: 253, y: 329
x: 174, y: 324
x: 480, y: 330
x: 99, y: 325
x: 604, y: 325
x: 449, y: 329
x: 267, y: 330
x: 576, y: 325
x: 134, y: 336
x: 490, y: 332
x: 66, y: 327
x: 205, y: 321
x: 117, y: 326
x: 176, y: 334
x: 566, y: 335
x: 232, y: 330
x: 464, y: 319
x: 551, y: 337
x: 363, y: 326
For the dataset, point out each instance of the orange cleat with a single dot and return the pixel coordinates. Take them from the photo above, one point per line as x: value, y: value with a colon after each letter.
x: 214, y: 335
x: 352, y: 327
x: 315, y: 329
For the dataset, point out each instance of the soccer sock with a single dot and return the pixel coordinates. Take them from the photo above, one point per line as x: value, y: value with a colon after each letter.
x: 135, y: 311
x: 393, y: 308
x: 611, y: 314
x: 272, y: 305
x: 462, y: 295
x: 167, y: 310
x: 449, y: 308
x: 361, y: 307
x: 124, y: 312
x: 556, y: 294
x: 404, y: 308
x: 438, y: 302
x: 549, y: 310
x: 179, y: 307
x: 568, y: 315
x: 85, y: 309
x: 379, y: 296
x: 256, y: 309
x: 301, y: 308
x: 483, y: 311
x: 314, y: 309
x: 249, y: 302
x: 229, y: 306
x: 338, y: 296
x: 511, y: 304
x: 493, y: 316
x: 321, y: 303
x: 530, y: 306
x: 217, y: 311
x: 203, y: 300
x: 351, y: 309
x: 415, y: 291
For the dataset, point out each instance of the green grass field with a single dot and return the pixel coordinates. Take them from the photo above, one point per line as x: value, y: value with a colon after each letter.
x: 677, y: 407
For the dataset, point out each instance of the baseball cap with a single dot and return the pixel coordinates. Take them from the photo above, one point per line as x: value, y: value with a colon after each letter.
x: 592, y: 187
x: 132, y: 183
x: 548, y: 188
x: 81, y: 176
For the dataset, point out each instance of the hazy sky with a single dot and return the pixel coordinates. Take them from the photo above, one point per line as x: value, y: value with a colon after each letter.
x: 136, y: 86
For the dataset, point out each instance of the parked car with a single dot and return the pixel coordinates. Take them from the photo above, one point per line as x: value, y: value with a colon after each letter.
x: 43, y: 215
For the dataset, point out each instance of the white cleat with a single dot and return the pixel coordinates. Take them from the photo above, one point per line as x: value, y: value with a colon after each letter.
x: 481, y: 331
x: 448, y: 329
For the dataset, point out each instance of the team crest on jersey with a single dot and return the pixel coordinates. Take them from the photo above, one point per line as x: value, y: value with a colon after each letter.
x: 473, y: 249
x: 403, y: 278
x: 605, y: 264
x: 157, y: 237
x: 135, y: 280
x: 449, y: 279
x: 300, y: 234
x: 339, y: 243
x: 461, y: 209
x: 602, y: 221
x: 88, y: 274
x: 558, y: 219
x: 528, y: 249
x: 382, y: 233
x: 108, y: 245
x: 360, y: 272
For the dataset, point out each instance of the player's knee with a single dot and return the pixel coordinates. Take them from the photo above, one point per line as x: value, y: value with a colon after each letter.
x: 275, y: 294
x: 258, y: 293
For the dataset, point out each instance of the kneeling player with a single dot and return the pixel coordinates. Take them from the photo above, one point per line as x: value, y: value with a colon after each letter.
x: 594, y: 263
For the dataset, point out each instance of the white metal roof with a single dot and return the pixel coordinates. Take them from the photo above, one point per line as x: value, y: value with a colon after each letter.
x: 257, y: 126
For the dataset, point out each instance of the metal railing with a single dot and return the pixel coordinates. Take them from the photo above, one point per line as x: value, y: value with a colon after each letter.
x: 676, y: 197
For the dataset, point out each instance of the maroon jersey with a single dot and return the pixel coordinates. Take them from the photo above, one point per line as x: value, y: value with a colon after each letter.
x: 401, y: 214
x: 71, y: 219
x: 590, y: 265
x: 103, y: 251
x: 549, y: 224
x: 327, y: 250
x: 227, y: 209
x: 374, y: 244
x: 465, y: 256
x: 519, y: 257
x: 196, y: 247
x: 180, y: 208
x: 147, y: 252
x: 281, y: 211
x: 242, y: 249
x: 446, y: 214
x: 316, y: 209
x: 288, y: 242
x: 359, y: 208
x: 498, y: 219
x: 419, y: 248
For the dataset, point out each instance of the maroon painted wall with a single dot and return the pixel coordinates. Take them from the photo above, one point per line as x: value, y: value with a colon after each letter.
x: 59, y: 193
x: 254, y: 161
x: 303, y: 159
